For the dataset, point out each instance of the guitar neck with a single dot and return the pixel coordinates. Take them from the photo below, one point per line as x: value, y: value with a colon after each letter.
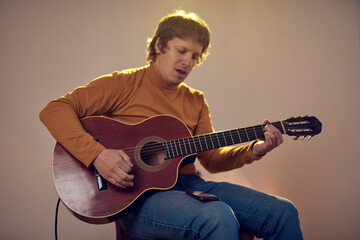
x: 201, y: 143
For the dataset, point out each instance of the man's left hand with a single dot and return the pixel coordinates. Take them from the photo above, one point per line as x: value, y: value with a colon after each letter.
x: 273, y: 139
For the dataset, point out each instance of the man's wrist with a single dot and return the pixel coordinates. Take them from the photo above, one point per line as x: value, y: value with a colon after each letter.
x: 254, y: 152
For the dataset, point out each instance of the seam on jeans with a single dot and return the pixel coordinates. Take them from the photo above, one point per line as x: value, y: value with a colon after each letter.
x: 233, y: 213
x: 270, y: 230
x: 164, y: 225
x: 137, y: 237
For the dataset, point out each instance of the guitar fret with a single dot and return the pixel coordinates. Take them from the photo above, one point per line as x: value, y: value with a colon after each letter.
x: 238, y: 132
x: 203, y: 148
x: 243, y: 135
x: 193, y: 144
x: 168, y: 154
x: 207, y: 147
x: 223, y: 133
x: 229, y: 138
x: 235, y: 136
x: 198, y: 142
x: 255, y: 132
x: 180, y: 148
x: 166, y: 150
x: 172, y: 149
x: 280, y: 126
x: 183, y: 147
x: 251, y: 133
x: 171, y: 153
x: 217, y: 137
x: 247, y: 136
x: 232, y: 140
x: 177, y: 153
x: 212, y: 141
x: 186, y: 151
x: 188, y: 143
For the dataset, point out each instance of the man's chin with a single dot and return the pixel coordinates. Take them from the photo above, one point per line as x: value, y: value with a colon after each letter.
x: 176, y: 81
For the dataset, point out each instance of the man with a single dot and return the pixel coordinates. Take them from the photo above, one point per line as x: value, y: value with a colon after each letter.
x: 179, y: 43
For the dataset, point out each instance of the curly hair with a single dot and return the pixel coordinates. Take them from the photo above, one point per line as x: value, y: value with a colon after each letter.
x: 181, y: 25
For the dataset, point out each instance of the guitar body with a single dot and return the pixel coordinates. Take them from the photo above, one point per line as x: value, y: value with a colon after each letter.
x: 157, y: 147
x: 77, y: 185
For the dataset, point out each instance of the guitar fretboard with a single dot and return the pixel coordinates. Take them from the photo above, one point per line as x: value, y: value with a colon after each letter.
x: 200, y: 143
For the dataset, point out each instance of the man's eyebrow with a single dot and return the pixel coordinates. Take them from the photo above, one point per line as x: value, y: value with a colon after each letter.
x: 187, y: 49
x: 181, y: 46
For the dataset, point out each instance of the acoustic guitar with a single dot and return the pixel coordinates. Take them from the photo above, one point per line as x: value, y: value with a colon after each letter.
x: 157, y: 147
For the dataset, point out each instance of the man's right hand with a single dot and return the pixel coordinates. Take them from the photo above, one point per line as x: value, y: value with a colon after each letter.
x: 115, y: 166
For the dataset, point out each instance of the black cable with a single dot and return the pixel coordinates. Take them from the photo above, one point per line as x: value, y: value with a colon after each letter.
x: 56, y: 217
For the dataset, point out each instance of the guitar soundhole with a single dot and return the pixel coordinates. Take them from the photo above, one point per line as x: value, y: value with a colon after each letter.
x: 150, y: 154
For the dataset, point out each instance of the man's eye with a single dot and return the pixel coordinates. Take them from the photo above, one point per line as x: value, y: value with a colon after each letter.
x: 182, y: 51
x: 196, y: 58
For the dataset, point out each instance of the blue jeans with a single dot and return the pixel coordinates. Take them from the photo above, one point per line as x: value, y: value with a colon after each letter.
x: 172, y: 214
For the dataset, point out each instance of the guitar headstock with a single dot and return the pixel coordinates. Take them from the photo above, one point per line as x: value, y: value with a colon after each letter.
x: 306, y: 126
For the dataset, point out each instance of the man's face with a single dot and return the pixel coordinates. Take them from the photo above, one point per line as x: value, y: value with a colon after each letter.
x: 179, y: 58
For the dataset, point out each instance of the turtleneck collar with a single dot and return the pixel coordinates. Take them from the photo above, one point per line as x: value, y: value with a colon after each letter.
x: 158, y: 79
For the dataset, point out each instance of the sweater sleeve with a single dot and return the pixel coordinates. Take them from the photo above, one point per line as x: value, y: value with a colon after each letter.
x: 224, y: 158
x: 61, y: 116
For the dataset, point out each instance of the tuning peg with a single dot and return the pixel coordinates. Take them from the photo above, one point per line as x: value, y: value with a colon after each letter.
x: 309, y: 137
x: 302, y: 138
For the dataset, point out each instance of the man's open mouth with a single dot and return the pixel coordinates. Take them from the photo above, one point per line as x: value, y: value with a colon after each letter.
x: 181, y: 71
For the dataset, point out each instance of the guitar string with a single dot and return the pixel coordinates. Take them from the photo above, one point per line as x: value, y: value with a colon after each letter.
x: 254, y: 133
x: 153, y: 148
x: 210, y: 135
x: 158, y: 147
x: 179, y: 146
x: 228, y: 135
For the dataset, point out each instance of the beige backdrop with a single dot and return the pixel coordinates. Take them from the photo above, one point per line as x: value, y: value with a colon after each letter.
x: 269, y: 59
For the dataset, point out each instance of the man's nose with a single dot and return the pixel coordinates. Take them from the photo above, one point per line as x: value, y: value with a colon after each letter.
x: 187, y: 60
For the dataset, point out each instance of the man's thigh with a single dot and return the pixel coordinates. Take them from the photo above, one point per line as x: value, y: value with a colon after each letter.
x: 255, y: 211
x: 175, y: 214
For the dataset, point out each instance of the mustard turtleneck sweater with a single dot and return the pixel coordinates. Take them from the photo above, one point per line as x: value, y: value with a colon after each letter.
x: 132, y: 96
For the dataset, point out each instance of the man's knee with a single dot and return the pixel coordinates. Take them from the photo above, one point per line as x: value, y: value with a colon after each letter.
x: 219, y: 217
x: 287, y: 208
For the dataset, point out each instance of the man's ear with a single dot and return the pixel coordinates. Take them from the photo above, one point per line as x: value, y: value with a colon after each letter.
x: 157, y: 45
